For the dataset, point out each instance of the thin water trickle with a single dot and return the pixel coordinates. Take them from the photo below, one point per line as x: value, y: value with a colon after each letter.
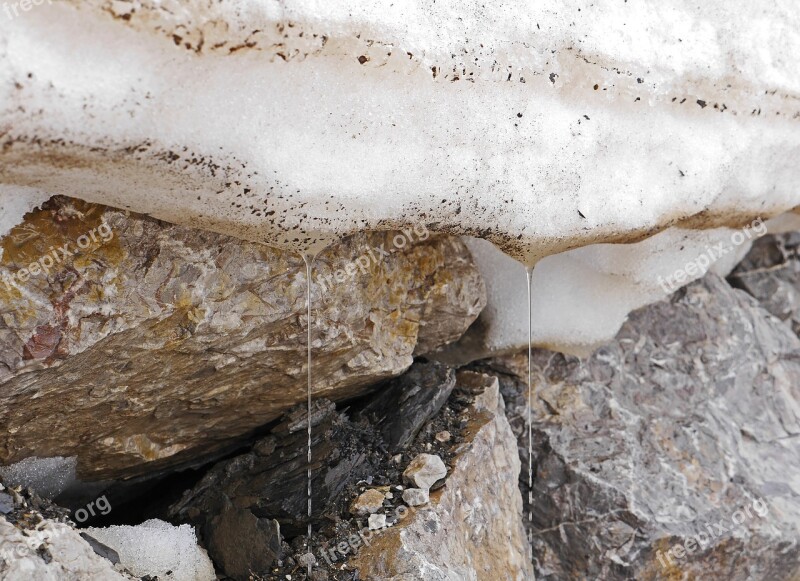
x: 529, y: 277
x: 309, y: 261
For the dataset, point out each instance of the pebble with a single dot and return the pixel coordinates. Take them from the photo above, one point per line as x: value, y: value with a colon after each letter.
x: 424, y: 471
x: 376, y: 521
x: 368, y: 502
x: 307, y: 559
x: 443, y: 436
x: 416, y: 496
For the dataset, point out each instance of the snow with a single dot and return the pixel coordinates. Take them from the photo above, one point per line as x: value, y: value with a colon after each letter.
x: 155, y: 547
x: 264, y: 130
x: 48, y: 477
x: 15, y: 202
x: 581, y: 298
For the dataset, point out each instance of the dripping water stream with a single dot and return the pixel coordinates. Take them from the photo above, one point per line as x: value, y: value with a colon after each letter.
x: 309, y: 262
x: 529, y: 279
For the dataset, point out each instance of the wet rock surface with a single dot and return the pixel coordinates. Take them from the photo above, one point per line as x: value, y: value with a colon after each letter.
x: 157, y: 345
x: 671, y: 453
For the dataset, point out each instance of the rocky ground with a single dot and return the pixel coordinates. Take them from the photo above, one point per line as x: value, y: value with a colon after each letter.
x: 169, y: 373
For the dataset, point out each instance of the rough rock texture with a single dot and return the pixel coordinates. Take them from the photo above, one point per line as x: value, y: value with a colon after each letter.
x: 771, y: 274
x: 413, y: 399
x: 269, y: 483
x: 37, y: 542
x: 162, y: 344
x: 687, y: 422
x: 472, y: 530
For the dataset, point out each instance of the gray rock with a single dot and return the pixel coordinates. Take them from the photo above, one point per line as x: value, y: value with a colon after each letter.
x: 424, y: 471
x: 376, y: 521
x: 100, y: 549
x: 410, y: 401
x: 270, y: 481
x: 687, y: 422
x: 239, y: 542
x: 416, y: 496
x: 771, y: 274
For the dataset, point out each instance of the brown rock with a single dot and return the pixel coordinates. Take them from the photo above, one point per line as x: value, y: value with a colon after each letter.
x: 164, y: 344
x: 367, y: 503
x: 472, y: 528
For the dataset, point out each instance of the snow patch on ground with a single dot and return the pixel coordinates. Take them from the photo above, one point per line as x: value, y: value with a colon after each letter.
x: 155, y: 547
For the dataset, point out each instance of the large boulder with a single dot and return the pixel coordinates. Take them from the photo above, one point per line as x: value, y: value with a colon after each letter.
x: 137, y: 345
x: 671, y: 452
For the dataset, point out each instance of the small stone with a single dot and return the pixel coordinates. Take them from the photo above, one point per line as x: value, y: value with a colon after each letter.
x: 376, y: 522
x: 397, y: 458
x: 443, y: 436
x: 424, y: 471
x: 389, y: 496
x: 6, y: 503
x: 367, y: 503
x: 307, y: 560
x: 416, y: 496
x: 428, y: 446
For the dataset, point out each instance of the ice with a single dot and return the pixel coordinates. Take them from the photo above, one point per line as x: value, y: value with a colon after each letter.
x: 156, y: 547
x: 48, y: 477
x: 581, y: 298
x: 542, y: 126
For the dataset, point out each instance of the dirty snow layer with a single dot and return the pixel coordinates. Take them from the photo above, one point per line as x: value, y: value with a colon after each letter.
x: 541, y: 126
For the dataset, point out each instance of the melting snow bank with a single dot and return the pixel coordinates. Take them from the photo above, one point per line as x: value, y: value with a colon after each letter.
x: 581, y: 298
x: 155, y: 547
x: 542, y: 127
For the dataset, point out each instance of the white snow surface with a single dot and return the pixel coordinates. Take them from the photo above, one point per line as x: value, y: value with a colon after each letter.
x: 542, y: 126
x: 156, y: 547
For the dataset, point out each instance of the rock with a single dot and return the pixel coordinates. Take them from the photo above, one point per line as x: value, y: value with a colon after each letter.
x: 248, y: 480
x: 141, y: 352
x: 101, y: 549
x: 771, y: 274
x: 6, y: 503
x: 424, y: 471
x: 369, y: 502
x: 410, y: 401
x: 38, y: 542
x: 307, y: 560
x: 239, y: 542
x: 443, y: 436
x: 376, y: 521
x: 680, y: 433
x: 416, y: 496
x: 472, y: 528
